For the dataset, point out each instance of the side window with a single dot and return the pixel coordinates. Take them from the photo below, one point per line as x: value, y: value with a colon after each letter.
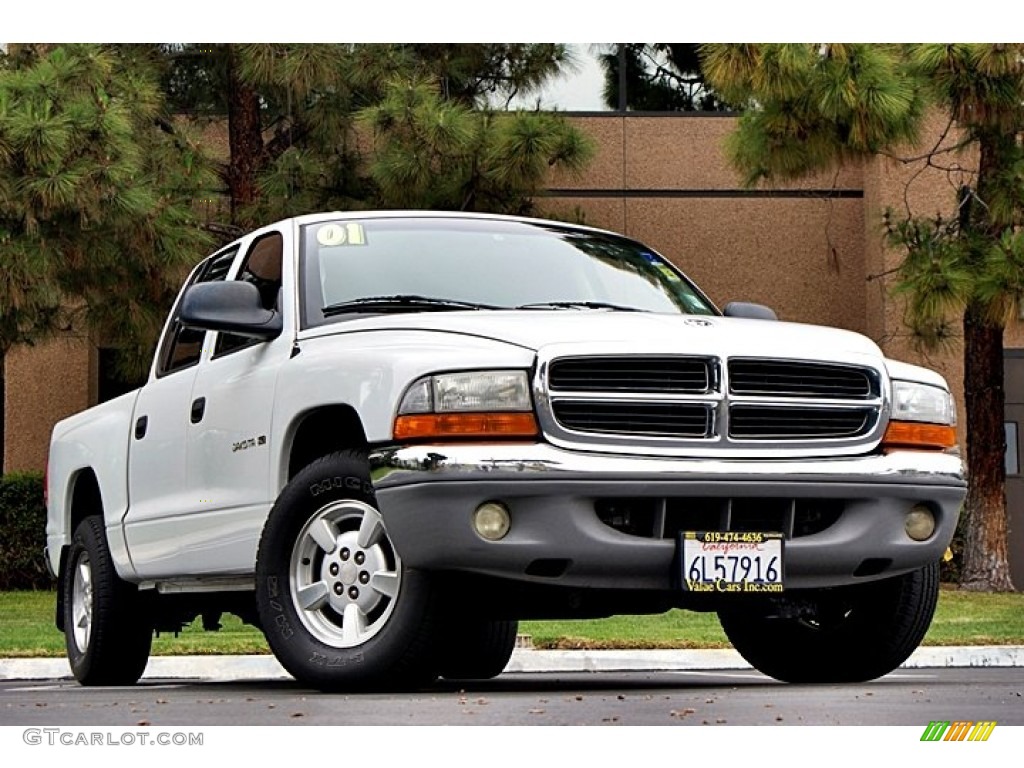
x: 181, y: 347
x: 262, y: 268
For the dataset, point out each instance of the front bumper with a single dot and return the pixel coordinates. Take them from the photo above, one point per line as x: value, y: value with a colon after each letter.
x: 428, y: 494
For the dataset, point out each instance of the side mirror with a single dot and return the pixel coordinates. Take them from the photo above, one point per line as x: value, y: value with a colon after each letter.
x: 233, y: 306
x: 749, y: 311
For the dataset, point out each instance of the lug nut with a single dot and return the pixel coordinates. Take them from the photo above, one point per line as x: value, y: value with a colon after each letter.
x: 339, y: 588
x: 345, y: 553
x: 360, y: 558
x: 353, y: 593
x: 364, y: 577
x: 334, y: 569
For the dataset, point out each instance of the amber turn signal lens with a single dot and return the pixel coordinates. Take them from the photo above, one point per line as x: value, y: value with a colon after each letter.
x: 915, y: 435
x: 446, y: 425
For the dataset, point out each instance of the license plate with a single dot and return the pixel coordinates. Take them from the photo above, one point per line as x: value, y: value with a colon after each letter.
x: 730, y: 561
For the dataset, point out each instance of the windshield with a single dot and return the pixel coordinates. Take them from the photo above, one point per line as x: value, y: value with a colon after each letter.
x: 376, y: 265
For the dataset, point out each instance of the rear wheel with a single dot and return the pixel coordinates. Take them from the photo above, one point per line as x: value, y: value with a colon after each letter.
x: 339, y: 608
x: 842, y: 635
x: 476, y: 649
x: 107, y: 632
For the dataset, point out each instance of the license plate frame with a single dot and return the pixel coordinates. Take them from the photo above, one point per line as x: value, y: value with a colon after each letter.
x: 731, y: 562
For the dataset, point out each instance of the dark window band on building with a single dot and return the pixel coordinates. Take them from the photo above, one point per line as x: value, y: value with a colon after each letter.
x: 842, y: 194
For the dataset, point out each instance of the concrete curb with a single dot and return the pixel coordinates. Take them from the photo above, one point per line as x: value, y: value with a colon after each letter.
x: 234, y: 668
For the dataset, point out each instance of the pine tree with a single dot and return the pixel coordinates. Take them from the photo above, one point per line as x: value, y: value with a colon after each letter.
x: 436, y: 153
x: 97, y: 192
x: 293, y: 112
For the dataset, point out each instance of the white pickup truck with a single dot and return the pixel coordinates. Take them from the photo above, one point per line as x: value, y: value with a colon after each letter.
x: 385, y: 438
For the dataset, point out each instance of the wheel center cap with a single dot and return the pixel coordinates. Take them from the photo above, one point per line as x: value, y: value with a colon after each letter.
x: 349, y: 573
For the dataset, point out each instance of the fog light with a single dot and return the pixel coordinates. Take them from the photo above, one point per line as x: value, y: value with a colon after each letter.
x: 491, y: 520
x: 920, y: 523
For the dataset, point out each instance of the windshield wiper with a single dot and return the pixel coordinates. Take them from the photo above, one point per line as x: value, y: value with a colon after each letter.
x: 578, y: 305
x: 402, y: 302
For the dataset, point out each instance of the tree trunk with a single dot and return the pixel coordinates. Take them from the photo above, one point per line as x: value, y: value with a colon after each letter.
x: 3, y: 411
x: 986, y: 567
x: 245, y: 140
x: 986, y: 564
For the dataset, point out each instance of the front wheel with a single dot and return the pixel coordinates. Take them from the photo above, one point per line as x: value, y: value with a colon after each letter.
x: 841, y: 635
x: 339, y: 608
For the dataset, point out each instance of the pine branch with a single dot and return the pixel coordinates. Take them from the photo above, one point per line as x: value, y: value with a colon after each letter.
x: 229, y: 231
x: 285, y: 138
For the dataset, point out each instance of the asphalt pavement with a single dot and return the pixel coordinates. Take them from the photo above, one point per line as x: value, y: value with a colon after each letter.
x: 265, y: 667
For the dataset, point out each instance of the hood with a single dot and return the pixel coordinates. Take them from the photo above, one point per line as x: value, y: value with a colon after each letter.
x: 597, y: 331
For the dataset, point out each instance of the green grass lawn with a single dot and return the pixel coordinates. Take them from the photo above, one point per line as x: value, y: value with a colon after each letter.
x: 26, y: 628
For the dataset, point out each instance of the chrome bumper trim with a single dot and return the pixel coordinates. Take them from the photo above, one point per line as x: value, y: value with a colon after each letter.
x: 399, y: 466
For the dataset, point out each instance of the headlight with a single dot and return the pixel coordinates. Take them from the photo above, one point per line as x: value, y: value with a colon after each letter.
x: 469, y: 391
x: 923, y: 418
x: 921, y: 402
x: 467, y: 404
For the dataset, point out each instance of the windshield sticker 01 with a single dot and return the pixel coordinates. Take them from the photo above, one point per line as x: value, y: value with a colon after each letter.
x: 351, y: 233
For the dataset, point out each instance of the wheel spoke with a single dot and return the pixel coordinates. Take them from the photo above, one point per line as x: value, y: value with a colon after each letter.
x: 385, y: 582
x: 353, y: 625
x: 323, y: 533
x: 371, y: 529
x: 313, y: 596
x: 85, y: 576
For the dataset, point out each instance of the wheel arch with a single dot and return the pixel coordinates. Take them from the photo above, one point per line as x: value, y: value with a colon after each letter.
x: 84, y: 498
x: 318, y: 432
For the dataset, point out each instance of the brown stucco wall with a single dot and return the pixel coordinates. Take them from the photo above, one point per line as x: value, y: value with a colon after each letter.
x: 42, y: 385
x: 666, y: 181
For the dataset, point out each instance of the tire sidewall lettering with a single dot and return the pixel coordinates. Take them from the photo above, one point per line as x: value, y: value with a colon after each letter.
x: 346, y: 483
x: 334, y: 661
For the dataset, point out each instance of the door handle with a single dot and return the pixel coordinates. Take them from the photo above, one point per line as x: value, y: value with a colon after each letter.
x: 198, y: 409
x: 140, y: 427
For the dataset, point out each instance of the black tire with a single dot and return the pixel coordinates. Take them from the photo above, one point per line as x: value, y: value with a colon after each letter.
x: 476, y: 649
x: 339, y: 609
x: 107, y: 631
x: 854, y: 634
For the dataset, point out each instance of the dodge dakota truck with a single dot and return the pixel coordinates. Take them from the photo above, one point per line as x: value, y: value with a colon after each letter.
x: 385, y: 438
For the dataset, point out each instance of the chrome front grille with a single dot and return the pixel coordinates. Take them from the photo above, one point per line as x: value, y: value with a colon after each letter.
x: 685, y: 402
